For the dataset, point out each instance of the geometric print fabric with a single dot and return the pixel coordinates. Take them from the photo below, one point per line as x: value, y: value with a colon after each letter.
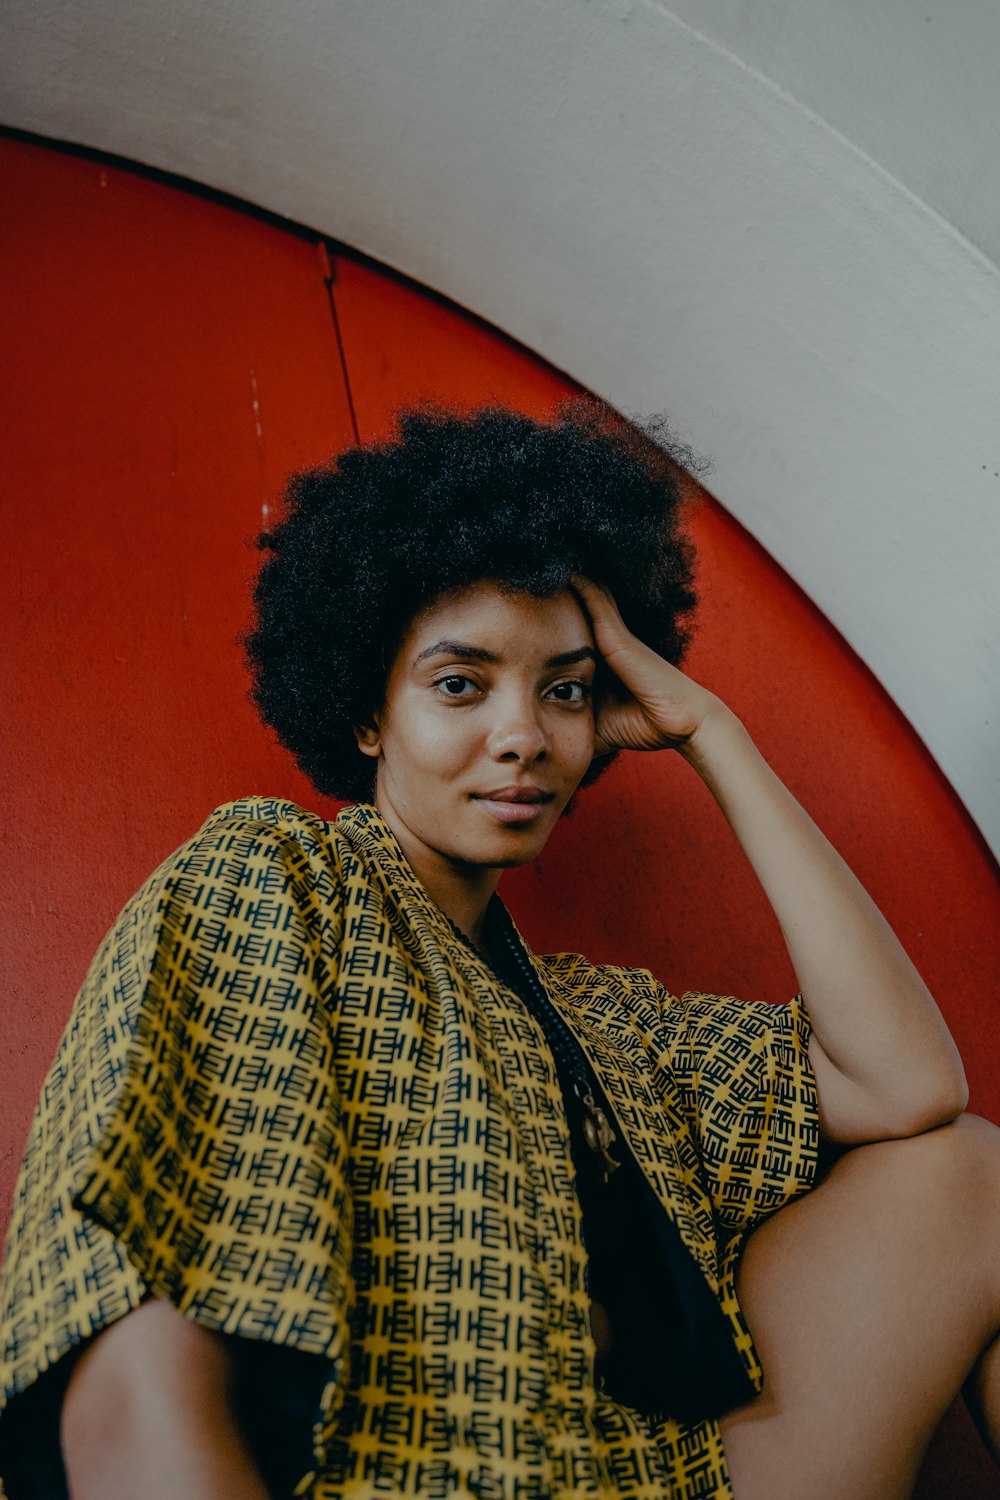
x: 294, y: 1102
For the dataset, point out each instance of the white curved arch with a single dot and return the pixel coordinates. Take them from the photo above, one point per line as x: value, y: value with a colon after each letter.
x: 649, y: 211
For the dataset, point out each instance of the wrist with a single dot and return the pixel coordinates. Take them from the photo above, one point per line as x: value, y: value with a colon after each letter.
x: 719, y: 737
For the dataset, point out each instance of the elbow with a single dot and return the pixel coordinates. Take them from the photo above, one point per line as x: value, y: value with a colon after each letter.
x: 899, y: 1101
x: 956, y: 1101
x: 953, y: 1095
x: 935, y: 1107
x: 934, y: 1091
x: 960, y: 1090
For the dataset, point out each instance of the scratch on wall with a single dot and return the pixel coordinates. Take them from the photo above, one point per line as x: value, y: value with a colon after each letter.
x: 259, y: 434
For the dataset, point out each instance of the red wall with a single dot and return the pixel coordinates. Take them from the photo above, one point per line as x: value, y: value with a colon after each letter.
x: 171, y: 358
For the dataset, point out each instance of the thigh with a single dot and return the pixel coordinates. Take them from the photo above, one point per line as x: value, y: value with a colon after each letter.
x: 869, y: 1299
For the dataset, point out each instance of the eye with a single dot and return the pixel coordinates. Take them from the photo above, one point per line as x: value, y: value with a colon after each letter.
x: 456, y: 685
x: 570, y: 691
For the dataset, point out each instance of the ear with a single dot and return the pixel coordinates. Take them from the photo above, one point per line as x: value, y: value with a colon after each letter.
x: 369, y: 737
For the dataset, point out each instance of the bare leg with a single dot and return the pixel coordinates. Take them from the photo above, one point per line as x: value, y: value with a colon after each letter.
x: 982, y: 1396
x: 871, y: 1299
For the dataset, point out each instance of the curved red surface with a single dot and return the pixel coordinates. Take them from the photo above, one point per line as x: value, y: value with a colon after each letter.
x: 174, y: 358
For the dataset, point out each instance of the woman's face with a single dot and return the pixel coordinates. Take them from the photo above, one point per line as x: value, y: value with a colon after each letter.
x: 487, y: 725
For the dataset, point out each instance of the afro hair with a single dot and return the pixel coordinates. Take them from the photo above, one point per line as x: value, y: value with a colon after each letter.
x: 453, y: 499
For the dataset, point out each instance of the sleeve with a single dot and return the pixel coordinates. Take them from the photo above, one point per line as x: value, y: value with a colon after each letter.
x: 748, y: 1090
x: 188, y: 1141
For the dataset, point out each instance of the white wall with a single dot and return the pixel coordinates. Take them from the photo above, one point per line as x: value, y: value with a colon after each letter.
x: 913, y: 83
x: 757, y: 229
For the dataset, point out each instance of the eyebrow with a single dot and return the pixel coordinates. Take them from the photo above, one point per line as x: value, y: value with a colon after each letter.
x: 477, y: 653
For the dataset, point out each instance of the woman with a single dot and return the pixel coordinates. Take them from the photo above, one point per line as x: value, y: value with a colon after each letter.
x: 442, y: 1217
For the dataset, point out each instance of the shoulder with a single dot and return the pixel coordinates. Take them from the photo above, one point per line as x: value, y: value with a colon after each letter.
x: 605, y: 991
x: 576, y: 972
x: 252, y: 850
x: 692, y: 1019
x: 254, y: 892
x: 257, y: 827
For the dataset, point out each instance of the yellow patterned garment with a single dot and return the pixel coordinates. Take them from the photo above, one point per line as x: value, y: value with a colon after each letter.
x: 291, y: 1100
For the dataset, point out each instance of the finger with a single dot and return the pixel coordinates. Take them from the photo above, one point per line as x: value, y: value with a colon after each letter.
x: 610, y: 631
x: 594, y: 596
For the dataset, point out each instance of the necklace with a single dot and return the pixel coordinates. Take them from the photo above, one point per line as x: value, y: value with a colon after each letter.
x: 515, y: 969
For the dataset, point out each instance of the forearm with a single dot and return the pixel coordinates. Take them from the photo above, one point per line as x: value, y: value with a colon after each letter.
x: 873, y: 1016
x: 884, y: 1060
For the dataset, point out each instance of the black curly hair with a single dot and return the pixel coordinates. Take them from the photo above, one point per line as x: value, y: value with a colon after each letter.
x: 453, y: 499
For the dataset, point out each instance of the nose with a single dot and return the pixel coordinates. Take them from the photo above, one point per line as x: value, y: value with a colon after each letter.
x: 518, y: 733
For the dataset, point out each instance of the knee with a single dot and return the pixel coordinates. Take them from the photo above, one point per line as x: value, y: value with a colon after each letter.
x: 972, y: 1145
x: 957, y: 1164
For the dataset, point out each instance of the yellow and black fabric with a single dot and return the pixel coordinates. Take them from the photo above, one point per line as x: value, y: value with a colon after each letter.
x: 293, y: 1102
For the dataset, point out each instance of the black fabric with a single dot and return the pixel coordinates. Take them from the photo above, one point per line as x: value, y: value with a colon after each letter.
x: 277, y: 1393
x: 31, y: 1455
x: 672, y: 1352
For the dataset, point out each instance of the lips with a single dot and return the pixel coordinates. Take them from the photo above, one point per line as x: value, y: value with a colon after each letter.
x: 517, y: 794
x: 513, y: 805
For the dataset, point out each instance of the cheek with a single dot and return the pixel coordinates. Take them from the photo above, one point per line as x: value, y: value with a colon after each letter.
x: 428, y: 741
x: 576, y: 745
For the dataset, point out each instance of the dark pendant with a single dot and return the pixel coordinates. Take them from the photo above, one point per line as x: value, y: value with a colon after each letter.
x: 597, y: 1132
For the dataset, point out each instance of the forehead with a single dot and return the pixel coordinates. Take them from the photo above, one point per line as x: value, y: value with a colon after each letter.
x: 487, y: 616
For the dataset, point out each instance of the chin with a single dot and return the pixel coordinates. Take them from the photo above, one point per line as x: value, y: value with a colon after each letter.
x: 503, y: 851
x: 520, y: 849
x: 514, y: 861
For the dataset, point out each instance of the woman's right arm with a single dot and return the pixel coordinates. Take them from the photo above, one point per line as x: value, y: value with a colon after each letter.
x: 189, y: 1143
x: 150, y: 1410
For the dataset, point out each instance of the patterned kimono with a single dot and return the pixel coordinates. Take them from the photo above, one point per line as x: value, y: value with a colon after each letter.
x: 293, y: 1102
